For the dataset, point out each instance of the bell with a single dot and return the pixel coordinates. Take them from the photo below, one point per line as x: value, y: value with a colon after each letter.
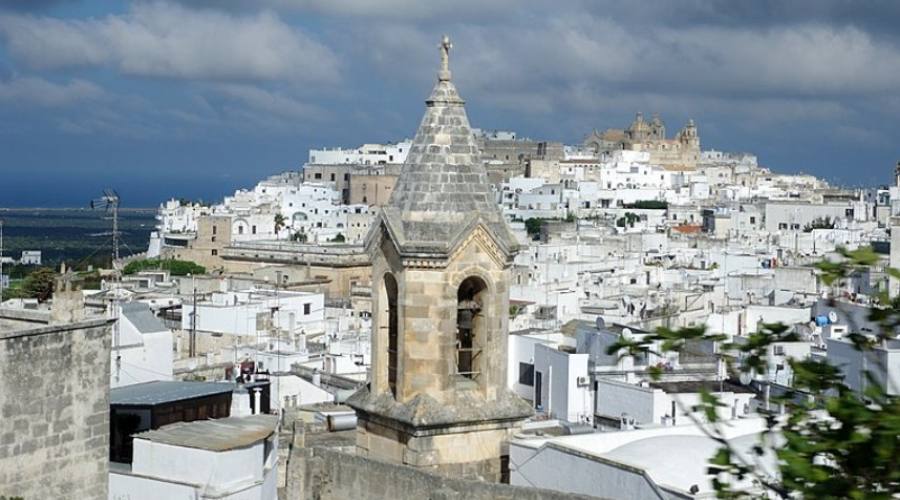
x: 464, y: 319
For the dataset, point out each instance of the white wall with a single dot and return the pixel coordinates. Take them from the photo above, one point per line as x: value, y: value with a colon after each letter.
x: 557, y: 470
x: 235, y: 313
x: 176, y: 472
x: 142, y: 357
x: 561, y: 395
x: 297, y: 390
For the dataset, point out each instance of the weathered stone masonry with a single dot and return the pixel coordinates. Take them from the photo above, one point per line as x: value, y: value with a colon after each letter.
x: 54, y: 411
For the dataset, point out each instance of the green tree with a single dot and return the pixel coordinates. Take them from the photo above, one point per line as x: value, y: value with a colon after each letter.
x: 39, y: 284
x: 338, y: 238
x: 279, y: 223
x: 648, y: 205
x: 533, y: 226
x: 835, y: 442
x: 819, y: 223
x: 174, y: 266
x: 629, y: 219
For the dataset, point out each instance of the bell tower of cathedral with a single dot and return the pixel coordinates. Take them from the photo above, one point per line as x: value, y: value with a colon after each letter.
x: 441, y: 253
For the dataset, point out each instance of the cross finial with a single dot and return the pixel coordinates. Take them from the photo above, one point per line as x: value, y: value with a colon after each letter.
x: 444, y: 74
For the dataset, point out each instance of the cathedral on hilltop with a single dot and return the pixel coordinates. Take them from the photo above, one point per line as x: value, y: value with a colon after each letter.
x: 680, y: 153
x: 441, y: 255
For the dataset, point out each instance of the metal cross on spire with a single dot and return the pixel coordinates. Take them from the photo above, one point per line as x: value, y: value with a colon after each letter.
x: 445, y: 47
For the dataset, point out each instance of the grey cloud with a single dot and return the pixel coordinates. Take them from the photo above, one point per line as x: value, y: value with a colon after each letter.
x: 170, y: 41
x: 421, y: 10
x: 265, y: 102
x: 41, y: 92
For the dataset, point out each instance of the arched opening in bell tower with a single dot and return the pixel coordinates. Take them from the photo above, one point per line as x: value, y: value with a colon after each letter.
x: 389, y: 322
x: 470, y: 326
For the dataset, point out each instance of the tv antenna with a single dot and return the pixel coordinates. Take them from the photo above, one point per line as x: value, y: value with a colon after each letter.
x: 110, y: 202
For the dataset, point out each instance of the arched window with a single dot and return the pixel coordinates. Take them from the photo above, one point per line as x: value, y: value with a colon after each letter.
x: 470, y: 331
x: 389, y: 310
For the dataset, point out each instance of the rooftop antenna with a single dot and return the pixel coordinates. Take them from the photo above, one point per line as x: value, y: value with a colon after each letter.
x: 110, y: 202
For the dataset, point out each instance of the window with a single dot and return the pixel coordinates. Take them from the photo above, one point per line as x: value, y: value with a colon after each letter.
x: 306, y: 309
x: 215, y: 252
x: 332, y: 176
x: 214, y: 230
x: 346, y: 177
x: 526, y: 374
x: 752, y: 220
x: 253, y: 229
x: 318, y: 175
x: 212, y: 239
x: 389, y: 322
x: 470, y: 325
x: 240, y: 229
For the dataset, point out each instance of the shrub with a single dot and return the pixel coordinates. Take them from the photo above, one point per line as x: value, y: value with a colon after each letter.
x: 175, y: 267
x: 649, y: 205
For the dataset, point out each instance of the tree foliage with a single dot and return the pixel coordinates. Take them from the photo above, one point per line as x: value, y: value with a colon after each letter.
x: 819, y: 223
x: 833, y: 442
x: 628, y: 220
x: 648, y: 205
x: 533, y: 226
x: 175, y: 267
x: 39, y: 284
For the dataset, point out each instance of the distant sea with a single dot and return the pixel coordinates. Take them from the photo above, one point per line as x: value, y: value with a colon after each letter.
x: 68, y: 234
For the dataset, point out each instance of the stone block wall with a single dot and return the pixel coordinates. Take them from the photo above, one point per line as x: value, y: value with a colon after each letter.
x: 329, y: 473
x: 54, y: 411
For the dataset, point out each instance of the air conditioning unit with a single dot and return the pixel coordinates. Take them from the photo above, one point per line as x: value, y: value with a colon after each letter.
x: 582, y: 381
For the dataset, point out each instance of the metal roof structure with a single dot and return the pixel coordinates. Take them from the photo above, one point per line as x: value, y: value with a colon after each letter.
x: 214, y: 435
x: 161, y: 392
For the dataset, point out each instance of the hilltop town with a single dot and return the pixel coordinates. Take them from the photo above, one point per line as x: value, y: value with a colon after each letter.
x: 448, y: 316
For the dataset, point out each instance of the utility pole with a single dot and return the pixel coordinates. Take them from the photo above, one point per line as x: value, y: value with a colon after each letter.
x: 1, y: 260
x: 192, y: 342
x: 277, y: 353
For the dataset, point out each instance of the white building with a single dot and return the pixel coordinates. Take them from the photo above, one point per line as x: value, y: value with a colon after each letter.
x: 142, y: 349
x: 658, y: 463
x: 367, y: 154
x: 230, y: 458
x: 255, y: 312
x: 882, y: 363
x: 30, y: 258
x: 562, y: 386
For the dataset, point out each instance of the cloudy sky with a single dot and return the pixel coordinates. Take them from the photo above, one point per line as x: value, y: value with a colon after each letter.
x: 198, y: 97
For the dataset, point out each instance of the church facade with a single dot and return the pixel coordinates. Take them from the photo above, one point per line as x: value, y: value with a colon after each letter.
x: 679, y: 153
x: 441, y: 256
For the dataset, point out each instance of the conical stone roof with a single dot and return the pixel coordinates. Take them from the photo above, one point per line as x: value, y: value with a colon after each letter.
x: 443, y: 190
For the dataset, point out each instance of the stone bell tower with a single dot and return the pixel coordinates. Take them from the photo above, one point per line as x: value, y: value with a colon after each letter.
x: 441, y: 255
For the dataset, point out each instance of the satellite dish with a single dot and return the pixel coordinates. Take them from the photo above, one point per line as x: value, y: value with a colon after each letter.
x: 626, y: 332
x: 832, y: 317
x: 745, y: 378
x: 600, y: 323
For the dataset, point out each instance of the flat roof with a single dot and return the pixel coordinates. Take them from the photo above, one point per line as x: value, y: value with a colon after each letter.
x: 214, y: 435
x: 692, y: 386
x: 160, y: 392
